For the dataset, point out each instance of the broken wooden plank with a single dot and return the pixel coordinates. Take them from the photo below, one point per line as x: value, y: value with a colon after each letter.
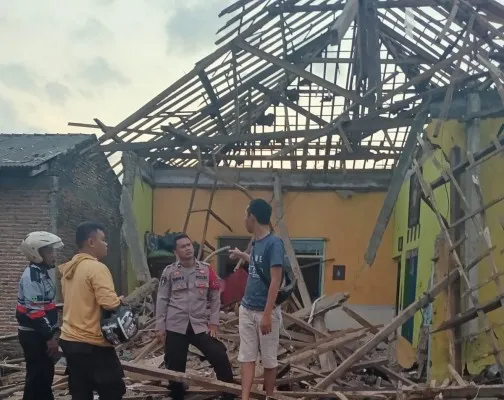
x: 325, y: 347
x: 284, y: 235
x: 304, y: 325
x: 207, y: 383
x: 400, y: 319
x: 398, y: 175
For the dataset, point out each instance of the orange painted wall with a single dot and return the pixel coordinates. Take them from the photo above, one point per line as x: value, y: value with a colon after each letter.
x: 346, y: 224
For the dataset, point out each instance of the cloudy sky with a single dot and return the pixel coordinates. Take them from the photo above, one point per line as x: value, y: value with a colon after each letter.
x: 64, y: 61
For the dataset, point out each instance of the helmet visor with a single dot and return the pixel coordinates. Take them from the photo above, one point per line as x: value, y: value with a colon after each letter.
x: 57, y: 245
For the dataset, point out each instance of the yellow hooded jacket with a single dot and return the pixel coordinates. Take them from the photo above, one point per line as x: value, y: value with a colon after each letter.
x: 87, y: 286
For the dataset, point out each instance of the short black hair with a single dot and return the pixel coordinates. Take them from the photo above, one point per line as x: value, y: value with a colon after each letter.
x: 261, y: 210
x: 85, y: 230
x: 179, y: 237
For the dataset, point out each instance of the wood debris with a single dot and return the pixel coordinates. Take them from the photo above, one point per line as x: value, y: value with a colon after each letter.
x: 299, y: 373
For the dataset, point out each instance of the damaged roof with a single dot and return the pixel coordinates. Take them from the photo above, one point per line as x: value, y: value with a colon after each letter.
x: 318, y: 84
x: 32, y: 150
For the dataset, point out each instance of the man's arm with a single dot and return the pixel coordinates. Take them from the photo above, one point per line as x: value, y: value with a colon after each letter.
x: 163, y: 299
x: 238, y: 254
x: 103, y: 286
x: 33, y: 293
x: 214, y: 297
x: 275, y: 256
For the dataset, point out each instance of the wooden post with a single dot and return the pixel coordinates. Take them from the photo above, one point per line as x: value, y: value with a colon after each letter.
x: 327, y: 360
x: 284, y: 234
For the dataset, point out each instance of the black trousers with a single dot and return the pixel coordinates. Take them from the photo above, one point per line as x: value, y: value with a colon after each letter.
x: 93, y: 369
x: 39, y: 366
x: 176, y: 348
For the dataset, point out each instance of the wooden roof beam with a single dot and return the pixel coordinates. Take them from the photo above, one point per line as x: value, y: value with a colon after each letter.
x: 254, y: 157
x: 275, y: 96
x: 214, y: 111
x: 360, y: 126
x: 338, y: 90
x: 339, y: 6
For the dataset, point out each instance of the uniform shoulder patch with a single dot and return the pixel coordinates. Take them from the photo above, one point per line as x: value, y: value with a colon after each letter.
x: 214, y: 281
x: 163, y: 280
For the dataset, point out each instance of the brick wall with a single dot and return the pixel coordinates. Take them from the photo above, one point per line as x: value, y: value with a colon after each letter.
x: 24, y: 207
x: 89, y: 191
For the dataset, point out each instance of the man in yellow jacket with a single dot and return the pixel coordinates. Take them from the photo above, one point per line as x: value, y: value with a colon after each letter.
x: 87, y: 286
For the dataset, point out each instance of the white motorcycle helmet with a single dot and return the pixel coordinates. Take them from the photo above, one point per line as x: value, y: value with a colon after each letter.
x: 34, y: 241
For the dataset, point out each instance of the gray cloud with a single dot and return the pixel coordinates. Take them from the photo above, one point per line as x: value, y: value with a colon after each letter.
x: 99, y: 73
x: 10, y: 121
x: 16, y: 76
x: 57, y: 93
x: 93, y: 30
x: 193, y: 27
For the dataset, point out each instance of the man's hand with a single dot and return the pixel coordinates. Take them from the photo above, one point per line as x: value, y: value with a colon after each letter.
x: 161, y: 336
x: 52, y: 347
x: 265, y: 324
x: 235, y: 254
x: 212, y: 330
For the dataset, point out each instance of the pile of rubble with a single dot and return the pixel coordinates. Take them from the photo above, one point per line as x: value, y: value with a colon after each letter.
x: 301, y: 374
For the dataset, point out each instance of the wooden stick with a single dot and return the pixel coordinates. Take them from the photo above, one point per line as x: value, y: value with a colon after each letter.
x: 169, y: 375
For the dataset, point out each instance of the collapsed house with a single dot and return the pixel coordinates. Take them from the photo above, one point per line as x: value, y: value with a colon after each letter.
x: 374, y: 127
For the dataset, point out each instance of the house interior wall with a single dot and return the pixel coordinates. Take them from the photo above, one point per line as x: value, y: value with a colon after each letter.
x: 345, y: 224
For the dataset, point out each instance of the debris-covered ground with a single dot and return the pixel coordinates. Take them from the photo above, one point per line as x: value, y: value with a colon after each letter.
x: 303, y: 348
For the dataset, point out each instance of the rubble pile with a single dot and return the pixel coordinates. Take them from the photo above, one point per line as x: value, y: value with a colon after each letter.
x: 378, y: 375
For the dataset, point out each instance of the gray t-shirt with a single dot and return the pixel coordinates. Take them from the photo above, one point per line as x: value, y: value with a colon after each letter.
x: 266, y: 253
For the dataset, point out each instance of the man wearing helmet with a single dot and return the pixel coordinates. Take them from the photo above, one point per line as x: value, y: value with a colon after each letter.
x: 37, y: 314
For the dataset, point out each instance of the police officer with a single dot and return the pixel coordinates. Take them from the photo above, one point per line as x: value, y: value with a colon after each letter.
x: 37, y: 314
x: 188, y: 288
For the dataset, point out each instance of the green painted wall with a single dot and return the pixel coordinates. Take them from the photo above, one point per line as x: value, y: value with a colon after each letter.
x: 142, y: 208
x: 452, y: 134
x: 422, y: 241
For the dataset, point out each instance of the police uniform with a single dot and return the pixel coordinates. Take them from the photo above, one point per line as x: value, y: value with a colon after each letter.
x: 37, y: 317
x: 188, y: 301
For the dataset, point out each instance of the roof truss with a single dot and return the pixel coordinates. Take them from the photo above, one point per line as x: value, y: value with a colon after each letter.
x: 316, y: 84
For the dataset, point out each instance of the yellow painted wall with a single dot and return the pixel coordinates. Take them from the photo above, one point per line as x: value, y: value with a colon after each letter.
x: 345, y: 223
x: 453, y: 134
x: 142, y: 209
x: 491, y: 178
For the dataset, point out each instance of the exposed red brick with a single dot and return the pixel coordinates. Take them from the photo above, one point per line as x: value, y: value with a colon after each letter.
x: 87, y: 190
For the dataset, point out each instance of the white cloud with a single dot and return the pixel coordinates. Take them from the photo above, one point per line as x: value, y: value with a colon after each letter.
x: 17, y: 76
x: 108, y: 63
x: 93, y: 31
x: 57, y: 92
x: 99, y: 72
x: 10, y: 120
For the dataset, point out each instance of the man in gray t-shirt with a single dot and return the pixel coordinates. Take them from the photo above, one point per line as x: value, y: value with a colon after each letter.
x: 266, y: 253
x: 260, y: 318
